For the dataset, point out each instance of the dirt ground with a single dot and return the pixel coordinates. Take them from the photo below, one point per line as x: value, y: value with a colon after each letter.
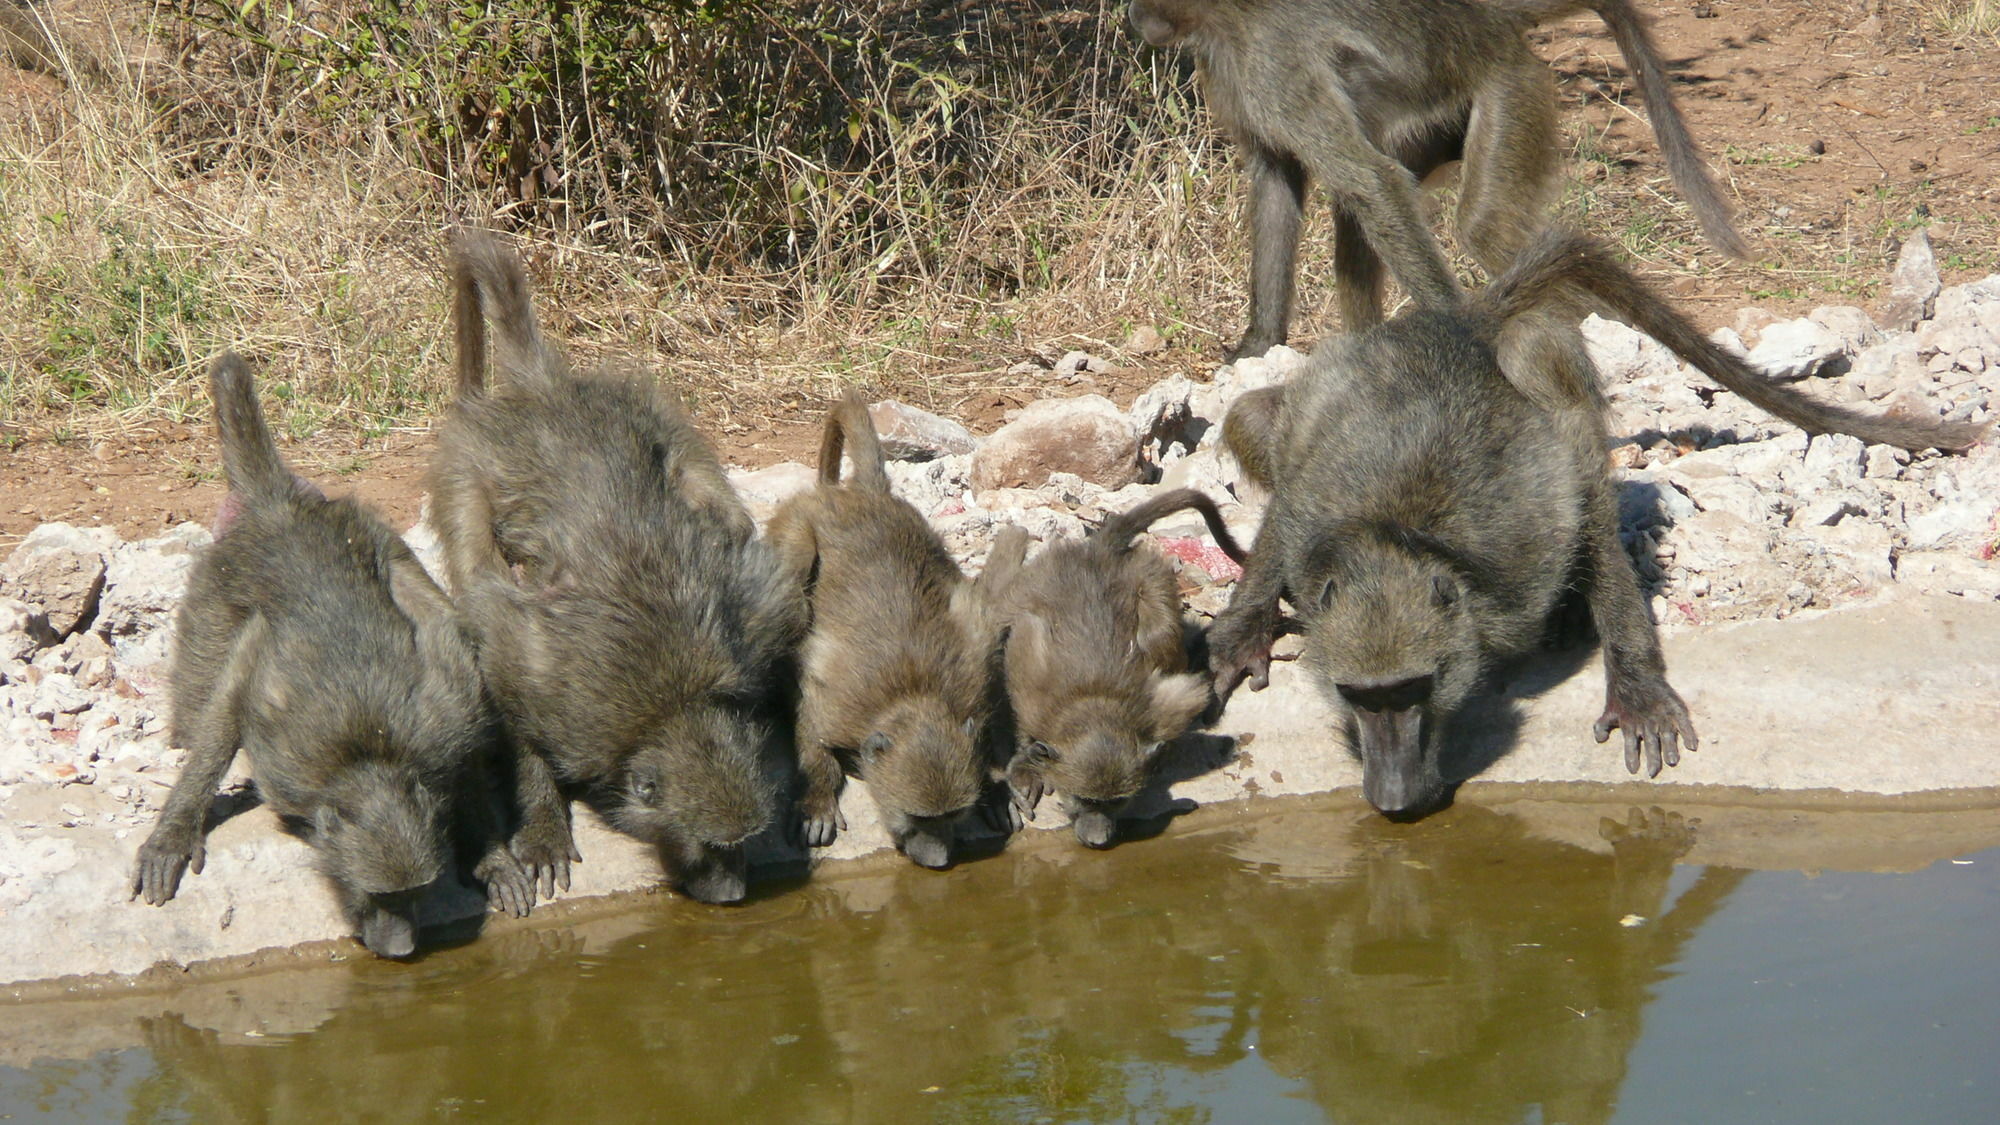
x: 1836, y: 126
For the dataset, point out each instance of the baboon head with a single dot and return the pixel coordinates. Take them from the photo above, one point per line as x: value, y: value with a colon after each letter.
x: 1391, y: 638
x: 697, y: 789
x: 381, y: 838
x: 1098, y: 751
x: 923, y: 766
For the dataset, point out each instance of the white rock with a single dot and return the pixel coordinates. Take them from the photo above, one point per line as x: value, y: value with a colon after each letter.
x: 1796, y: 348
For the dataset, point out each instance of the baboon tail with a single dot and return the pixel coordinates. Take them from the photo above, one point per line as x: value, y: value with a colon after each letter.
x: 488, y: 284
x: 1562, y: 258
x: 848, y: 425
x: 1685, y: 162
x: 1120, y: 529
x: 251, y: 463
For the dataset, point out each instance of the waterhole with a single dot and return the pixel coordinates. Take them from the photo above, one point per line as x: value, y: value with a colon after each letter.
x: 1291, y: 960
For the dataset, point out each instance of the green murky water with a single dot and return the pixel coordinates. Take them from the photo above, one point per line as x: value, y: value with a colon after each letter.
x: 1311, y: 962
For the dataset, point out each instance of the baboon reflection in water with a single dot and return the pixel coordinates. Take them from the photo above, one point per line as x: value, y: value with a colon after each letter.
x: 1394, y: 972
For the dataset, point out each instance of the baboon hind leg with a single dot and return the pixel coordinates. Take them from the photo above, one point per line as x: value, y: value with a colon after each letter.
x: 1277, y: 207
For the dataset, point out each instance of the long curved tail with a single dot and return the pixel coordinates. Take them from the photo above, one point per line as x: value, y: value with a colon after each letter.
x: 1119, y: 529
x: 251, y: 463
x: 1685, y: 162
x: 488, y: 284
x: 1560, y: 258
x: 848, y: 425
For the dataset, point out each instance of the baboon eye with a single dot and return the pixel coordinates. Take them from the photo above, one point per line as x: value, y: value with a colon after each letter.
x: 1444, y: 591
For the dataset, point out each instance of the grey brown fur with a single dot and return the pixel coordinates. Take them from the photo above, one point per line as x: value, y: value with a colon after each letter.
x: 1096, y: 662
x: 1429, y: 511
x: 312, y: 638
x: 1369, y: 97
x: 633, y: 631
x: 896, y: 671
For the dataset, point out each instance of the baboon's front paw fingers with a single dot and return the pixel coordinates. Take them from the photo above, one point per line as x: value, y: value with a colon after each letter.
x: 821, y: 823
x: 1654, y: 727
x: 157, y: 875
x: 509, y: 888
x: 545, y: 854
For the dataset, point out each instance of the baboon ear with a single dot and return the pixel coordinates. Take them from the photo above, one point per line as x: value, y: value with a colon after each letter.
x: 970, y: 727
x: 646, y: 789
x: 1326, y: 593
x: 1444, y: 590
x: 872, y: 746
x: 1178, y: 700
x: 1152, y: 750
x: 1038, y: 753
x: 326, y: 820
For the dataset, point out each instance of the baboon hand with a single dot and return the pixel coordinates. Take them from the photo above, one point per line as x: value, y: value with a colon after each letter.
x: 820, y: 822
x: 545, y: 852
x: 509, y: 887
x: 162, y: 859
x: 1025, y: 797
x: 1653, y: 720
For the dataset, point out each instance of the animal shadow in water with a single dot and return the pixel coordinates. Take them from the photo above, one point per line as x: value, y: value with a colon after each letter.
x: 1184, y: 759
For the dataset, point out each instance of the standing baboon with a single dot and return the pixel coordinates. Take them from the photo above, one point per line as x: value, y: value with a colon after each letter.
x: 1368, y: 97
x: 1096, y: 662
x: 1428, y: 511
x: 631, y: 627
x: 896, y: 668
x: 311, y: 637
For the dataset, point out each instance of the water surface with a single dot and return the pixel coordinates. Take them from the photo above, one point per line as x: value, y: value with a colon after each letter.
x: 1304, y: 962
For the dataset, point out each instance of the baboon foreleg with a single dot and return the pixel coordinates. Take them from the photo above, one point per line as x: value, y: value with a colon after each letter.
x: 1277, y: 205
x: 542, y: 844
x: 820, y: 819
x: 1637, y: 698
x: 211, y: 736
x: 1239, y: 639
x: 483, y: 831
x: 1358, y: 271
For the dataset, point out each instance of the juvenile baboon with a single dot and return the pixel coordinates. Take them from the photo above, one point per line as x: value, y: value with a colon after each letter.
x: 1429, y: 510
x: 1369, y: 97
x: 311, y: 637
x: 1096, y: 662
x: 632, y: 629
x: 896, y: 670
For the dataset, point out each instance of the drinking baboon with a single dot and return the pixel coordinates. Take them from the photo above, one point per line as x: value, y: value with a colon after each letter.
x: 311, y: 637
x: 896, y: 670
x: 632, y: 629
x: 1369, y: 97
x: 1096, y: 662
x: 1428, y: 511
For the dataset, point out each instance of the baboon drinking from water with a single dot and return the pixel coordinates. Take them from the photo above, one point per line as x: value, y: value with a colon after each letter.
x: 311, y: 637
x: 1096, y: 662
x: 1369, y: 97
x: 896, y: 668
x: 1428, y: 511
x: 632, y: 629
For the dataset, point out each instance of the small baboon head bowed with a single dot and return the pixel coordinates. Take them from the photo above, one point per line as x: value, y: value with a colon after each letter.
x: 922, y: 766
x: 1098, y: 752
x: 1391, y: 636
x: 698, y: 790
x: 381, y: 839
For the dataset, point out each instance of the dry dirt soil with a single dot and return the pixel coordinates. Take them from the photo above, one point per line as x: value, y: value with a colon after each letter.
x: 1836, y: 126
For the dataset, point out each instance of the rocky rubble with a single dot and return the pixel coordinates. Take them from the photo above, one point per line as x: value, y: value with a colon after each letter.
x: 1728, y: 515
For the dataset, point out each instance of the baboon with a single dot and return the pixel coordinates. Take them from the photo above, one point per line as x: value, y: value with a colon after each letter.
x: 896, y: 670
x: 29, y: 40
x: 1428, y: 511
x: 633, y: 632
x: 311, y: 637
x: 1096, y: 662
x: 1369, y: 97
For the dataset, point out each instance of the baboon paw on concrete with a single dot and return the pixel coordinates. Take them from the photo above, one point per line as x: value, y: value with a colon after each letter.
x: 1368, y: 98
x: 634, y: 632
x: 1439, y: 483
x: 1095, y: 663
x: 896, y: 671
x: 312, y: 637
